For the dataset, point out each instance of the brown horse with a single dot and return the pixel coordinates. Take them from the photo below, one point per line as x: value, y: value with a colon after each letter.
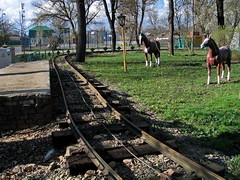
x: 217, y: 56
x: 150, y: 47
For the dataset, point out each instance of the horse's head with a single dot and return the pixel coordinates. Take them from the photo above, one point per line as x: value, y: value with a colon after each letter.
x: 140, y: 38
x: 205, y: 43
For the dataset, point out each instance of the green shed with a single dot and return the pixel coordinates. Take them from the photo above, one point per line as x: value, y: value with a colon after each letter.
x: 44, y: 31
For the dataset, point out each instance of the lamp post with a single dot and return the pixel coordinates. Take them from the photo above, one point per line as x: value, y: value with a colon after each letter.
x: 3, y: 33
x: 121, y: 20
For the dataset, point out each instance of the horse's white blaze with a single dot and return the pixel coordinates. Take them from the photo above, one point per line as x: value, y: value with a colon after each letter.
x: 204, y: 42
x: 228, y: 77
x: 218, y: 79
x: 146, y: 63
x: 222, y: 74
x: 208, y: 80
x: 140, y: 38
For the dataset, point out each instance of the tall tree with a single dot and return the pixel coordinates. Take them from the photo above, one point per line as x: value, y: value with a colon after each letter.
x: 171, y: 26
x: 136, y: 10
x: 81, y: 38
x: 64, y: 10
x: 178, y: 14
x: 220, y: 12
x: 111, y: 16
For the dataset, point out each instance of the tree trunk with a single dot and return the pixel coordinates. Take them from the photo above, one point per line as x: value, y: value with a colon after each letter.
x: 111, y: 21
x: 114, y: 39
x: 171, y: 27
x: 220, y: 13
x: 81, y: 37
x: 193, y: 24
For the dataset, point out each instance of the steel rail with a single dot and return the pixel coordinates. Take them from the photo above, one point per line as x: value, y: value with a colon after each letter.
x: 92, y: 154
x: 185, y: 162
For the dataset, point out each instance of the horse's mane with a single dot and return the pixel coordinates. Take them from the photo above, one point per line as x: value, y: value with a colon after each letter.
x: 145, y: 39
x: 215, y: 46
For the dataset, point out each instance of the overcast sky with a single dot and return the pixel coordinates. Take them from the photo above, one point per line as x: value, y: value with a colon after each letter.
x: 12, y: 8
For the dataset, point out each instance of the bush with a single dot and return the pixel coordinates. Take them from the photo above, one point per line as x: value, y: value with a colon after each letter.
x: 223, y: 36
x: 22, y: 57
x: 236, y: 55
x: 234, y: 165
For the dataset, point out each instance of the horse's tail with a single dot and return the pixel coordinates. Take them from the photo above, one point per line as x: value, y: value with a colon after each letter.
x: 229, y: 58
x: 158, y: 45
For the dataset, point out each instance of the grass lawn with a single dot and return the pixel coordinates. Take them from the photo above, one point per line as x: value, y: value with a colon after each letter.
x: 177, y: 93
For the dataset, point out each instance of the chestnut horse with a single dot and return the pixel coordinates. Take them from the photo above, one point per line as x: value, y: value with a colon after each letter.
x: 217, y: 56
x: 150, y: 47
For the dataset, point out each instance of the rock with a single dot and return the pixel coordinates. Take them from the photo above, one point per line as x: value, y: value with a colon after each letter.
x: 97, y: 137
x: 29, y: 167
x: 61, y: 159
x: 16, y: 169
x: 77, y: 178
x: 127, y: 161
x: 169, y: 172
x: 52, y: 166
x: 89, y: 173
x: 112, y: 164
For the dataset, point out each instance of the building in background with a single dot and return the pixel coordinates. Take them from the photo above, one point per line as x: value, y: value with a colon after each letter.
x: 40, y: 35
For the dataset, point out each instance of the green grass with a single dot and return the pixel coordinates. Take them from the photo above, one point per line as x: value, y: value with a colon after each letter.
x: 177, y: 93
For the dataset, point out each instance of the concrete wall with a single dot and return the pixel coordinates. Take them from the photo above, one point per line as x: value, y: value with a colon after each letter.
x: 6, y: 56
x: 20, y: 112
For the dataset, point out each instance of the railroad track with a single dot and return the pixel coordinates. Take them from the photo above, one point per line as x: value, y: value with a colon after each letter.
x: 89, y: 114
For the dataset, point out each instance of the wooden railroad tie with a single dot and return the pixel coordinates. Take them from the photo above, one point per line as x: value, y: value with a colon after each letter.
x: 66, y: 137
x: 80, y: 163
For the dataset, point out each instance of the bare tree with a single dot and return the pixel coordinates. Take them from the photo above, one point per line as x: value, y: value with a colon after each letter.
x: 171, y: 26
x: 65, y: 10
x: 136, y: 10
x: 6, y: 28
x: 111, y: 16
x: 178, y: 14
x: 155, y: 23
x: 232, y: 18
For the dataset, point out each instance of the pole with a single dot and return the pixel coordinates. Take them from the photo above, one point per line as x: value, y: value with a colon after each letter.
x: 124, y: 50
x: 69, y: 39
x: 193, y: 4
x: 3, y: 33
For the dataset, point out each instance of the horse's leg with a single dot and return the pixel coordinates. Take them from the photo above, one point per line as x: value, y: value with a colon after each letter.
x: 229, y: 69
x: 158, y: 59
x: 218, y: 73
x: 223, y: 68
x: 155, y: 54
x: 209, y: 73
x: 146, y: 58
x: 150, y: 59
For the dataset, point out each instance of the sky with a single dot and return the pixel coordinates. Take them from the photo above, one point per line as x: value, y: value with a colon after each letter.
x: 12, y: 8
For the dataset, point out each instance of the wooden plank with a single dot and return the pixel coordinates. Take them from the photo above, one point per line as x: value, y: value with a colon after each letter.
x: 66, y: 137
x: 79, y: 163
x: 63, y: 138
x: 220, y: 170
